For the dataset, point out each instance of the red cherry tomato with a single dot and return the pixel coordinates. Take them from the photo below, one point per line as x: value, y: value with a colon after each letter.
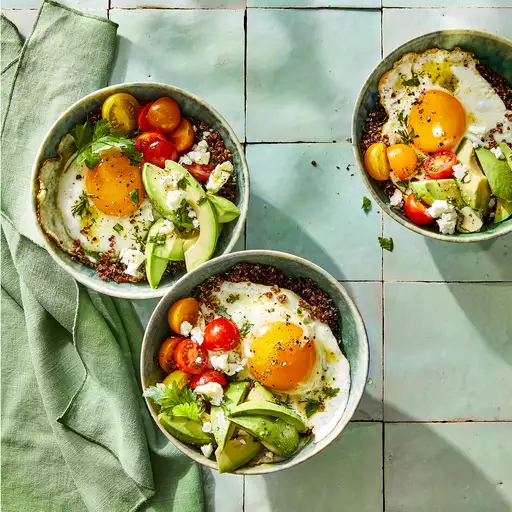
x: 190, y: 357
x: 208, y: 376
x: 164, y: 115
x: 201, y: 172
x: 142, y: 119
x: 159, y: 151
x: 221, y: 334
x: 416, y: 211
x: 439, y: 165
x: 146, y: 138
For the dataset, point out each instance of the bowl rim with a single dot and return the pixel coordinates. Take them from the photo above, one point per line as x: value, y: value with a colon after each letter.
x: 55, y: 252
x: 265, y: 469
x: 392, y: 57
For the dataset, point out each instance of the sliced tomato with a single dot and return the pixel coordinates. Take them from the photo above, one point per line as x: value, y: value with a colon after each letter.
x: 221, y: 334
x: 190, y: 357
x: 439, y: 165
x: 208, y: 376
x: 201, y: 172
x: 121, y: 110
x: 159, y: 151
x: 147, y: 138
x: 164, y: 115
x: 166, y: 354
x: 416, y: 211
x: 142, y: 119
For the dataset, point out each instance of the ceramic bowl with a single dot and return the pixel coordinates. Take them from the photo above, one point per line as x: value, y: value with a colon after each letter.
x: 354, y: 339
x: 494, y: 51
x: 190, y: 106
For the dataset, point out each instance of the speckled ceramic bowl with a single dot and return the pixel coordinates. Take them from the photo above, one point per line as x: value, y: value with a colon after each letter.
x: 190, y: 106
x: 494, y: 51
x: 354, y: 338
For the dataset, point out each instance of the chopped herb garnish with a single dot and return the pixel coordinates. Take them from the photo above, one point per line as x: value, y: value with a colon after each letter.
x: 177, y: 402
x: 134, y: 194
x: 182, y: 183
x: 312, y: 406
x: 82, y: 135
x: 222, y: 311
x: 246, y: 327
x: 300, y: 311
x: 367, y: 204
x: 118, y: 228
x: 386, y: 243
x: 406, y: 135
x: 158, y: 239
x: 330, y: 392
x: 202, y: 200
x: 82, y: 206
x: 403, y: 183
x: 414, y: 81
x: 232, y: 298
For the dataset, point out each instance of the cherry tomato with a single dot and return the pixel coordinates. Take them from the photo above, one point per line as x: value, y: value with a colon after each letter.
x: 146, y: 138
x: 181, y: 378
x: 201, y: 172
x: 166, y: 353
x: 416, y: 211
x: 159, y: 151
x: 439, y: 165
x: 402, y: 160
x: 376, y: 161
x: 164, y: 115
x: 221, y: 334
x: 121, y: 111
x: 190, y: 357
x: 183, y: 136
x: 183, y: 310
x: 142, y: 119
x: 208, y: 376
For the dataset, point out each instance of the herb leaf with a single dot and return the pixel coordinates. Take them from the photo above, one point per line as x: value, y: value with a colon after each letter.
x: 168, y: 397
x: 182, y: 183
x: 246, y: 327
x: 312, y: 406
x: 367, y: 204
x: 386, y: 243
x: 118, y: 228
x: 233, y: 297
x: 222, y: 311
x: 191, y: 411
x: 330, y: 392
x: 134, y: 194
x: 202, y: 200
x: 82, y: 135
x: 406, y: 136
x: 158, y: 239
x: 82, y: 206
x: 101, y: 128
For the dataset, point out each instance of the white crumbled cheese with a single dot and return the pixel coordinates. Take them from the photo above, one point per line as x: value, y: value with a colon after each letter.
x: 220, y: 362
x: 133, y: 259
x: 195, y: 223
x: 270, y: 455
x: 498, y: 153
x: 396, y: 198
x: 206, y: 134
x: 191, y: 213
x: 477, y: 130
x: 199, y: 157
x: 185, y: 159
x: 213, y: 391
x: 219, y: 176
x: 167, y: 227
x: 460, y: 171
x: 201, y: 146
x: 174, y: 199
x: 170, y: 181
x: 476, y: 141
x: 447, y: 223
x: 439, y: 206
x: 228, y: 362
x: 199, y: 360
x: 438, y: 131
x: 185, y: 328
x: 492, y: 202
x: 467, y: 178
x: 207, y: 427
x: 197, y: 335
x: 243, y: 441
x: 207, y: 450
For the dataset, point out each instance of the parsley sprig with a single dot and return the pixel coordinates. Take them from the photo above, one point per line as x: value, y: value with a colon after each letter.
x: 174, y: 401
x: 406, y: 135
x: 414, y: 81
x: 82, y: 206
x: 367, y: 204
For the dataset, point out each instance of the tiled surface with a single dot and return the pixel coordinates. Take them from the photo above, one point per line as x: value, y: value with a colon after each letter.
x: 446, y: 347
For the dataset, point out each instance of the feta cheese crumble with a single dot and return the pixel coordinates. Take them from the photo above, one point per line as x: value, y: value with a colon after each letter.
x: 174, y: 199
x: 447, y: 223
x: 219, y: 176
x: 492, y: 202
x: 396, y: 198
x: 185, y: 159
x: 167, y: 227
x: 199, y: 153
x: 197, y: 335
x: 439, y: 207
x: 185, y: 328
x: 207, y: 450
x: 195, y: 223
x: 228, y: 362
x: 207, y: 427
x: 213, y: 391
x: 133, y: 259
x: 498, y: 153
x: 170, y: 181
x: 460, y: 171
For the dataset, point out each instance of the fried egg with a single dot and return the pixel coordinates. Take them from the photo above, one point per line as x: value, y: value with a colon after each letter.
x: 288, y: 351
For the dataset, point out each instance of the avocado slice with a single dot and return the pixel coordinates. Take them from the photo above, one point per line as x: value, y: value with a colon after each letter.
x: 498, y: 172
x: 263, y: 408
x: 276, y: 435
x: 236, y: 453
x: 475, y: 192
x: 185, y: 430
x: 171, y: 249
x: 259, y: 392
x: 203, y: 249
x: 507, y: 153
x: 225, y: 210
x: 470, y: 221
x: 155, y: 268
x: 222, y: 428
x: 431, y: 190
x: 503, y: 210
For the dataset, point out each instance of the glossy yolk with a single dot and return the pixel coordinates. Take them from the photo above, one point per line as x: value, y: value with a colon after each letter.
x: 282, y: 357
x: 402, y: 160
x: 111, y: 182
x: 438, y: 120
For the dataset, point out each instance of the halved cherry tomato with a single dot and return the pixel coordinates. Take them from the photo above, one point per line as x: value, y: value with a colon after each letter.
x: 181, y: 378
x: 142, y: 119
x: 190, y: 357
x: 164, y: 115
x: 402, y: 160
x: 376, y: 161
x: 439, y: 165
x: 183, y: 310
x: 147, y: 138
x: 416, y: 211
x: 201, y: 172
x: 159, y: 151
x: 121, y: 111
x: 183, y: 136
x: 166, y: 353
x: 221, y: 334
x: 208, y: 376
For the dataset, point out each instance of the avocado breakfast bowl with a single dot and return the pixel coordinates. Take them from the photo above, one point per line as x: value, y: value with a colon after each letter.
x: 136, y: 184
x: 254, y: 362
x: 432, y: 135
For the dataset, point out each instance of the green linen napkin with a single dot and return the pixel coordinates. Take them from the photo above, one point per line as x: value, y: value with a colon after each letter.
x: 76, y: 434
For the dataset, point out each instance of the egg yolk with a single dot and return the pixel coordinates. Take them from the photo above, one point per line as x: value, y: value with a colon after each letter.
x: 282, y: 357
x: 115, y: 184
x: 438, y: 120
x: 402, y: 160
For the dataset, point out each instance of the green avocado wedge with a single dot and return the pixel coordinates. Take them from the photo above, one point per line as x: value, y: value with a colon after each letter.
x: 432, y: 190
x: 225, y: 210
x: 503, y: 210
x: 276, y: 435
x: 236, y: 453
x: 259, y: 392
x: 498, y: 172
x: 264, y: 408
x: 185, y: 430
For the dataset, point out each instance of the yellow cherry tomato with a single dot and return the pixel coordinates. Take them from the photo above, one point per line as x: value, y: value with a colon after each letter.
x: 181, y: 379
x: 376, y: 161
x: 121, y: 111
x: 402, y: 160
x: 184, y: 310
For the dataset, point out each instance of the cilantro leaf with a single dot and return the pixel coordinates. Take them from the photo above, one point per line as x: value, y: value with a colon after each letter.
x: 82, y: 135
x: 386, y: 243
x: 222, y: 311
x: 190, y: 410
x: 117, y: 227
x: 158, y: 239
x: 246, y: 327
x: 367, y: 204
x: 312, y: 406
x: 101, y: 128
x: 134, y: 194
x: 330, y: 392
x: 168, y: 397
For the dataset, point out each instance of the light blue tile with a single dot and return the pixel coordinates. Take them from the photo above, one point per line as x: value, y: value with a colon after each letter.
x: 185, y: 4
x: 199, y: 50
x: 313, y: 211
x: 223, y: 493
x: 304, y: 70
x: 443, y: 3
x: 368, y: 298
x: 464, y: 467
x: 417, y: 258
x: 359, y: 4
x: 401, y: 25
x: 448, y: 351
x: 346, y: 476
x: 35, y: 4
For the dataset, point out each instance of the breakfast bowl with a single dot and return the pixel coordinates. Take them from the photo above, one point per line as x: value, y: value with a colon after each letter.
x: 432, y: 135
x: 254, y: 362
x: 137, y: 183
